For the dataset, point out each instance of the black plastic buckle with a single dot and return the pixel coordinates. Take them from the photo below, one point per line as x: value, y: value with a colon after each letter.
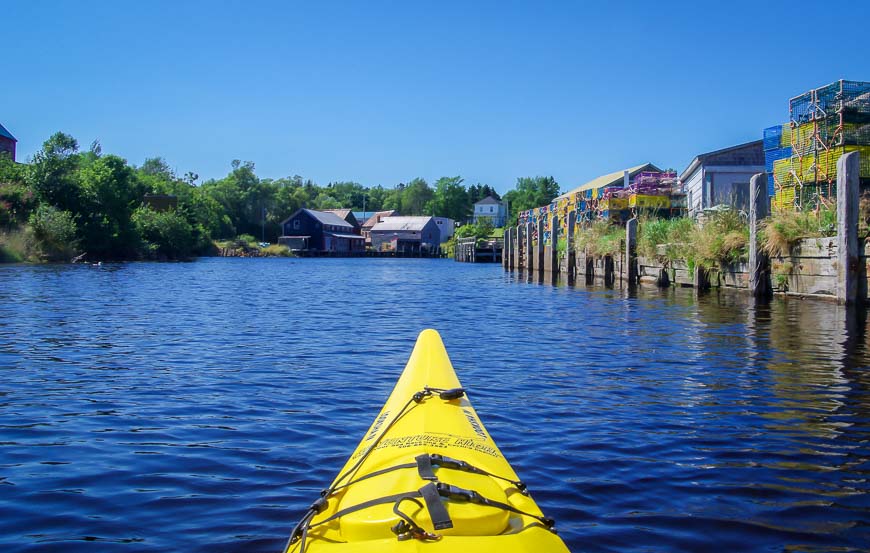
x: 451, y: 394
x: 459, y: 494
x: 444, y: 462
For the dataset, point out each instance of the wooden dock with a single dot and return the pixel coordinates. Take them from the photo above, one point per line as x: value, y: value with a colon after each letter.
x: 468, y: 250
x: 372, y: 253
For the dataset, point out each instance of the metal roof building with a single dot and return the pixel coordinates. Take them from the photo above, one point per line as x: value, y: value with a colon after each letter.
x: 417, y: 223
x: 610, y: 179
x: 406, y: 234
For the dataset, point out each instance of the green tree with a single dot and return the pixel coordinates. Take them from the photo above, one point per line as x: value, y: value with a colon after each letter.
x: 393, y: 199
x: 111, y: 191
x: 375, y: 198
x: 53, y: 173
x: 481, y: 230
x: 166, y: 234
x: 244, y: 197
x: 325, y: 201
x: 16, y: 198
x: 347, y: 194
x: 415, y: 196
x: 531, y: 192
x: 450, y: 199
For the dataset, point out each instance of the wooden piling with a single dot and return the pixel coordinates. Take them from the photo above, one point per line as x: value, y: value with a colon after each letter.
x: 848, y: 260
x: 553, y: 260
x: 759, y: 263
x: 631, y: 252
x: 530, y: 255
x: 505, y: 255
x: 609, y: 276
x: 518, y: 252
x: 663, y: 280
x: 699, y: 279
x: 570, y: 255
x: 539, y: 248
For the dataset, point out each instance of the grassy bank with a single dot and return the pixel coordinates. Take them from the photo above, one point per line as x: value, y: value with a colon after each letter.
x: 783, y: 229
x: 722, y: 238
x: 246, y: 245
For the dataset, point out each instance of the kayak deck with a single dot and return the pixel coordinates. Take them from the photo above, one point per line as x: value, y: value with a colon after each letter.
x: 427, y: 476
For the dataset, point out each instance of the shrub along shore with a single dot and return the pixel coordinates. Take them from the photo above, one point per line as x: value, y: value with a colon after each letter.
x: 67, y: 204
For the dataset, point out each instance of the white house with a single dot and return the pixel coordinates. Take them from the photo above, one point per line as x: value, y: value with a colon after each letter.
x: 492, y: 209
x: 722, y: 177
x: 445, y: 225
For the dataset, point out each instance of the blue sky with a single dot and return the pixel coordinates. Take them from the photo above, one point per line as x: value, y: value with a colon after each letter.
x: 382, y: 92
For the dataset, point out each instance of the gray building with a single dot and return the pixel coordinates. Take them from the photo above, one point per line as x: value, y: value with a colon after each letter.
x: 445, y: 227
x: 722, y: 177
x: 406, y: 235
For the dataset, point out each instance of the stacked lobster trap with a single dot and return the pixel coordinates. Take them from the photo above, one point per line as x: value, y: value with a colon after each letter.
x: 801, y: 155
x: 654, y: 193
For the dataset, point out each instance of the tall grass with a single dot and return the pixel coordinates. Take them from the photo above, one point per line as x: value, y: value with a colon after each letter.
x: 723, y: 238
x: 784, y: 228
x: 16, y: 245
x: 665, y: 239
x: 276, y: 250
x: 601, y: 238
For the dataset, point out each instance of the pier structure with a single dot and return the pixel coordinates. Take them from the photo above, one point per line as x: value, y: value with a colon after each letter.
x: 832, y: 268
x: 469, y: 250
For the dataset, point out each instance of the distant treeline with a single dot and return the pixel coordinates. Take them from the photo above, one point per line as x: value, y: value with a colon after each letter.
x: 66, y: 202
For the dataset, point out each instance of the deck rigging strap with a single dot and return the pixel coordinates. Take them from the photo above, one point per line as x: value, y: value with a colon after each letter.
x: 424, y: 464
x: 300, y: 531
x: 460, y: 494
x: 432, y: 494
x: 418, y: 397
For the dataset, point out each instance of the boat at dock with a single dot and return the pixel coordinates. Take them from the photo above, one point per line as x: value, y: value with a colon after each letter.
x: 427, y: 476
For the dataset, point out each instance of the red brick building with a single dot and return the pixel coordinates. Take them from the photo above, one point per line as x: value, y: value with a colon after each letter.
x: 7, y: 142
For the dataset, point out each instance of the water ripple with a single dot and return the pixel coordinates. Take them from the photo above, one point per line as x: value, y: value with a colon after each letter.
x: 201, y: 406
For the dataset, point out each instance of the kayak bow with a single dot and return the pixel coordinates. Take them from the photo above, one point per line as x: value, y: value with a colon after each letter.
x: 426, y: 476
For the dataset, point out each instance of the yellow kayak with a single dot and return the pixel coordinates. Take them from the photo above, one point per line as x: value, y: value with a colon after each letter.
x: 427, y: 476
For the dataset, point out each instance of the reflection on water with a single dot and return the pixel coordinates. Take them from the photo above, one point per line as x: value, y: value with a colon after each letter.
x: 201, y: 406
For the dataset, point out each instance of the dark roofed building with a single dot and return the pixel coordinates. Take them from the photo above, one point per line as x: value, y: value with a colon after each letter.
x: 721, y: 177
x: 7, y: 142
x: 347, y: 215
x: 319, y: 231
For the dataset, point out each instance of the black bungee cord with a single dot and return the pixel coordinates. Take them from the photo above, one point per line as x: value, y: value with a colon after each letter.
x: 300, y: 531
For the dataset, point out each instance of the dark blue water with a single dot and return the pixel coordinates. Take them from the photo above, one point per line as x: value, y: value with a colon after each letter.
x: 201, y: 406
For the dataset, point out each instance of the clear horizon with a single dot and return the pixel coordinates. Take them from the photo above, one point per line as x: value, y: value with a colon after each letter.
x: 382, y: 93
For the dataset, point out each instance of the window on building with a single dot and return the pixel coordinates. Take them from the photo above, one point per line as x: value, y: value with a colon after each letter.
x: 296, y: 224
x: 491, y: 209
